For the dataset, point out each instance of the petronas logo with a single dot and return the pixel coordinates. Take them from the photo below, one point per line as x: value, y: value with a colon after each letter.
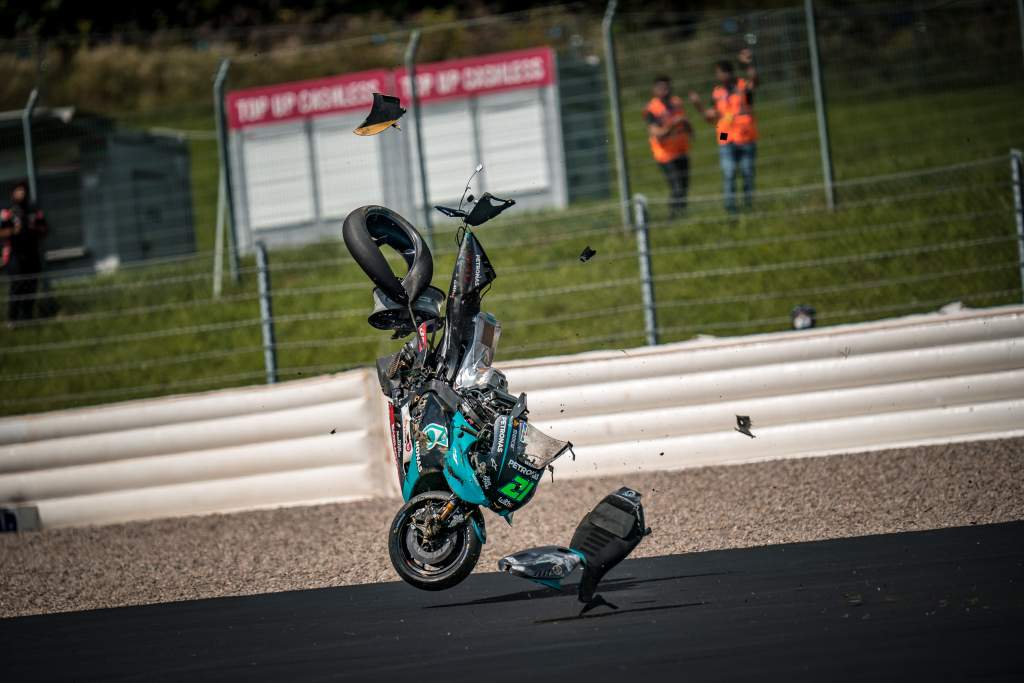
x: 436, y: 435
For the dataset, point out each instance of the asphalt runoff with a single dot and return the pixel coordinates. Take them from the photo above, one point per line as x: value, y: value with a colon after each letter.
x: 944, y: 605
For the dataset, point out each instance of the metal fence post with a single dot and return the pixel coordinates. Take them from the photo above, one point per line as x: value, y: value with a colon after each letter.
x: 1020, y: 21
x: 414, y: 96
x: 26, y: 131
x: 266, y: 313
x: 218, y: 241
x: 612, y: 74
x: 1017, y: 171
x: 646, y: 282
x: 819, y: 105
x: 225, y: 161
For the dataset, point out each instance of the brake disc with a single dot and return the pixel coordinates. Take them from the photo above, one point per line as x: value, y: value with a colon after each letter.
x: 432, y: 552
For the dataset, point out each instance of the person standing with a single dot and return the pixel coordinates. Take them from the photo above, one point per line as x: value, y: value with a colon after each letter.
x: 732, y: 113
x: 23, y: 226
x: 668, y: 131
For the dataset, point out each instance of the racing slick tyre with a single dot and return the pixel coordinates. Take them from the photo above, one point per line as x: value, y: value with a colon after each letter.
x: 366, y: 229
x: 432, y: 563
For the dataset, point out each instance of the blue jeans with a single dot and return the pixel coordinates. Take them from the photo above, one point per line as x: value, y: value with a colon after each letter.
x: 732, y: 157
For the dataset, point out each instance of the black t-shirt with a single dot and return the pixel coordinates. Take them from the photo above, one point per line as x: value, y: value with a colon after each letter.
x: 24, y: 244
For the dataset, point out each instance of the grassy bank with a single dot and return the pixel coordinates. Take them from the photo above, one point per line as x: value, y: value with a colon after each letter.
x: 895, y: 245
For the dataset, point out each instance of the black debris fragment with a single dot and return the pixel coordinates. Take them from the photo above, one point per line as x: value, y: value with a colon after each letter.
x: 487, y: 208
x: 743, y: 425
x: 333, y: 431
x: 587, y: 254
x: 450, y: 212
x: 384, y: 114
x: 723, y: 136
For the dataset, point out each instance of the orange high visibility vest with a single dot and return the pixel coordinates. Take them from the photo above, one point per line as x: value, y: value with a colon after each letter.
x: 677, y: 142
x: 736, y: 116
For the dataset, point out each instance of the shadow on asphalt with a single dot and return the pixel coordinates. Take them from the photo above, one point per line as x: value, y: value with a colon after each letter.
x: 617, y: 612
x: 609, y: 586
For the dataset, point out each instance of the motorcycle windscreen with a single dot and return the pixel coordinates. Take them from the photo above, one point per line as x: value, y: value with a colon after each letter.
x: 539, y: 449
x: 475, y: 370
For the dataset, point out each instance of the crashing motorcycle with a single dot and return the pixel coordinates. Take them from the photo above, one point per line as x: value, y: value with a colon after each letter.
x: 462, y: 442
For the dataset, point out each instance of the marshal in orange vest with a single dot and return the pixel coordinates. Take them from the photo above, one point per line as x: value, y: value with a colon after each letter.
x: 677, y: 142
x: 736, y: 115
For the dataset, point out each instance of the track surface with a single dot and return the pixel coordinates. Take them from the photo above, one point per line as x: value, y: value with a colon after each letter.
x: 948, y: 604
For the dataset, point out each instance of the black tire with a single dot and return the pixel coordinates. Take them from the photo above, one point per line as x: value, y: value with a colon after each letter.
x: 366, y: 229
x: 458, y: 561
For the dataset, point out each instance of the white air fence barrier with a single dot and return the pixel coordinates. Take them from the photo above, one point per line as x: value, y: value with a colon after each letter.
x: 902, y: 382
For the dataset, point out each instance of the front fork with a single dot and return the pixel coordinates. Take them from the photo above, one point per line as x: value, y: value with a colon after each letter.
x: 440, y: 522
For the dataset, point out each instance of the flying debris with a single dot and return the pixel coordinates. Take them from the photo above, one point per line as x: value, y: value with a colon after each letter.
x: 743, y: 425
x: 384, y: 113
x: 587, y: 254
x: 486, y: 208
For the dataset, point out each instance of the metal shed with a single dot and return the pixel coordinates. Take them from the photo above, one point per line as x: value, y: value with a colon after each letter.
x: 110, y: 195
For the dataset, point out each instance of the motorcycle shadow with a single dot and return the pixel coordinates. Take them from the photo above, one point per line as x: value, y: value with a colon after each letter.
x: 609, y: 586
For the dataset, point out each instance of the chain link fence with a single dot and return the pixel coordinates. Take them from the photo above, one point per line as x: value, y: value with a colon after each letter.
x: 921, y: 102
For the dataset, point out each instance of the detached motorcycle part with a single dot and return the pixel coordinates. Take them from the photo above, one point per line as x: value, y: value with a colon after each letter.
x: 366, y: 229
x: 547, y: 565
x: 388, y: 314
x: 486, y: 208
x: 428, y: 554
x: 384, y: 113
x: 606, y: 536
x: 450, y: 212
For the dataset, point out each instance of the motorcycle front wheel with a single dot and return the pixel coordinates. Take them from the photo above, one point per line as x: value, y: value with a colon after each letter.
x: 436, y: 563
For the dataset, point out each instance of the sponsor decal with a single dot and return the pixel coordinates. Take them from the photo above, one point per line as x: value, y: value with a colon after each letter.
x: 522, y: 469
x: 406, y: 431
x: 422, y: 344
x: 499, y: 439
x: 302, y: 99
x: 437, y: 435
x: 518, y: 488
x: 458, y: 78
x: 396, y: 438
x: 531, y: 68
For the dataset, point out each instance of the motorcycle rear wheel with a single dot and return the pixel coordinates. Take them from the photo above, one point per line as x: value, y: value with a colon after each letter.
x: 431, y: 565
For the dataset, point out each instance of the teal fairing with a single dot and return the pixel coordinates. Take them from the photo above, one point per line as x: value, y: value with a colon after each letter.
x: 458, y: 469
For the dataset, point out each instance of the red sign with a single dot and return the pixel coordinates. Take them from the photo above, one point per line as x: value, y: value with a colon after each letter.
x: 301, y: 99
x: 532, y: 68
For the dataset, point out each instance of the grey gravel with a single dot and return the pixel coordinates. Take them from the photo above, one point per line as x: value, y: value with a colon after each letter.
x: 690, y: 510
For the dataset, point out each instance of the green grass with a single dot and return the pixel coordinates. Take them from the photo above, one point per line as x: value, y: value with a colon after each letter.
x: 952, y: 234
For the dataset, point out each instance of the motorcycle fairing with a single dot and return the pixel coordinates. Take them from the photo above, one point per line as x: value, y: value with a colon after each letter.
x: 547, y: 565
x: 432, y: 438
x: 513, y: 483
x: 605, y: 537
x: 412, y: 475
x: 458, y: 470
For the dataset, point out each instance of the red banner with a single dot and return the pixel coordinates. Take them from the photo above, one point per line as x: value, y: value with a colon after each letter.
x: 532, y: 68
x: 456, y: 78
x: 301, y: 99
